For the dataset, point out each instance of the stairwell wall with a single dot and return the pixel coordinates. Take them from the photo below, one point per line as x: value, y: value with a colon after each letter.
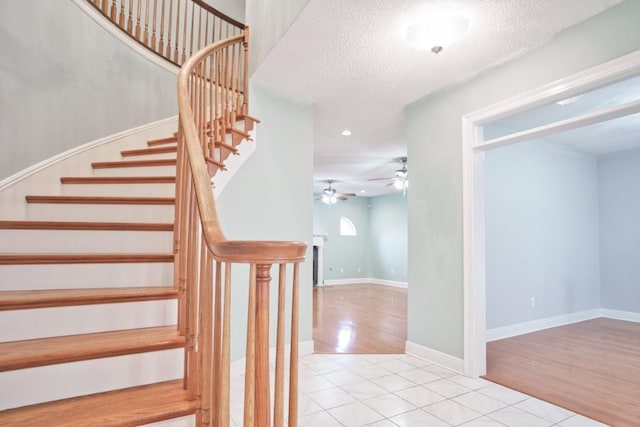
x: 435, y: 307
x: 65, y: 80
x: 269, y: 198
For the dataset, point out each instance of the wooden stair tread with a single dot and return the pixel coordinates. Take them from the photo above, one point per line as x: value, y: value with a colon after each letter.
x: 118, y: 179
x: 83, y: 258
x: 20, y: 300
x: 161, y: 141
x: 100, y: 200
x: 150, y: 151
x: 94, y: 226
x: 133, y: 163
x: 71, y: 348
x: 127, y: 407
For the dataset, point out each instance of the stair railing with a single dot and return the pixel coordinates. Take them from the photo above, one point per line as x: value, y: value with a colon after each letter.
x: 212, y: 96
x: 173, y: 29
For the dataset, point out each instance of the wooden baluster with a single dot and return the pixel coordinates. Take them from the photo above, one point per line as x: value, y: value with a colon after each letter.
x: 114, y: 11
x: 105, y: 7
x: 199, y: 29
x: 138, y: 16
x: 161, y: 41
x: 237, y: 106
x: 145, y: 36
x: 170, y: 21
x: 179, y: 225
x: 246, y: 74
x: 121, y: 18
x: 232, y: 85
x: 176, y: 41
x: 278, y: 409
x: 263, y: 401
x: 212, y: 100
x: 130, y: 19
x: 217, y: 344
x: 250, y: 362
x: 193, y: 7
x: 226, y: 350
x: 293, y: 358
x: 184, y: 34
x: 153, y: 30
x: 225, y: 89
x: 213, y: 30
x: 205, y: 333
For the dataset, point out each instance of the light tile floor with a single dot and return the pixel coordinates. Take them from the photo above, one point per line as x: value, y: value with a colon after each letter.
x: 399, y: 390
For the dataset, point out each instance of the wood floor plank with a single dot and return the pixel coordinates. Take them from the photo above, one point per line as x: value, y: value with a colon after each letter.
x: 591, y: 367
x: 20, y: 300
x: 359, y: 318
x: 128, y: 407
x: 49, y: 351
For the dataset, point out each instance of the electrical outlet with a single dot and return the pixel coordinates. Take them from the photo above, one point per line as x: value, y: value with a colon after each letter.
x: 533, y: 301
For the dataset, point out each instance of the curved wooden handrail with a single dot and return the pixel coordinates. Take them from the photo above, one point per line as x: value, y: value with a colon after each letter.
x: 212, y: 99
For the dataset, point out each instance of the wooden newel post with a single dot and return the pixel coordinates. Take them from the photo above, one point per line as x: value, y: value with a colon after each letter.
x: 262, y: 398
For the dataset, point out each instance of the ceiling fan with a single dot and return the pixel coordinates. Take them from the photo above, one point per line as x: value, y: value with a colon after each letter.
x: 330, y: 196
x: 400, y: 179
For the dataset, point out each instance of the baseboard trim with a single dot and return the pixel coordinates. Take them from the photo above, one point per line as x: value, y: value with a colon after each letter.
x: 629, y: 316
x: 434, y: 356
x: 19, y: 176
x: 304, y: 348
x: 357, y: 281
x: 540, y: 324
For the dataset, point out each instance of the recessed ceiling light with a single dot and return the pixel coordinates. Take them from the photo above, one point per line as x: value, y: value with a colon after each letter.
x: 346, y: 132
x: 362, y: 191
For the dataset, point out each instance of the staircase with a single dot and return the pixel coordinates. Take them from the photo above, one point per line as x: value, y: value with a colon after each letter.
x: 115, y: 290
x: 87, y: 248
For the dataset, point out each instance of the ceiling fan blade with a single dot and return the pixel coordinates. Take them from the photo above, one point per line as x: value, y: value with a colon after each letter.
x: 377, y: 179
x: 341, y: 197
x: 345, y: 194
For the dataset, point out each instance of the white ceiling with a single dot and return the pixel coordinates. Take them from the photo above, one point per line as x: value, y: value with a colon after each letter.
x: 350, y: 59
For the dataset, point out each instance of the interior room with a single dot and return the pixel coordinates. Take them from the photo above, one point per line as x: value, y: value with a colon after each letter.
x: 360, y: 294
x: 561, y: 236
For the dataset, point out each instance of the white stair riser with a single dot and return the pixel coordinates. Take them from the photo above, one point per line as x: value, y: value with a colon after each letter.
x: 136, y: 171
x: 18, y: 325
x: 61, y: 241
x: 46, y: 383
x: 106, y: 213
x: 60, y: 276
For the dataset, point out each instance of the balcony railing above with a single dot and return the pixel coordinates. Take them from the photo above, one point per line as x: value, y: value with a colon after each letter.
x: 173, y: 29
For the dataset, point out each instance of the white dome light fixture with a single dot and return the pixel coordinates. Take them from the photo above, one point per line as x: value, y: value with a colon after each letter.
x: 436, y: 31
x: 346, y: 132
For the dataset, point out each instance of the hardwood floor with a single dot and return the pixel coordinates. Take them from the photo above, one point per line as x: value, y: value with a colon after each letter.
x: 591, y: 367
x: 361, y: 318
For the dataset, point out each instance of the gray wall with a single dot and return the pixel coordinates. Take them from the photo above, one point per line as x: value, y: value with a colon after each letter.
x: 344, y: 257
x: 619, y: 185
x: 231, y: 8
x: 541, y: 210
x: 268, y: 21
x: 268, y: 199
x: 379, y: 251
x: 435, y: 307
x: 389, y: 237
x: 65, y: 81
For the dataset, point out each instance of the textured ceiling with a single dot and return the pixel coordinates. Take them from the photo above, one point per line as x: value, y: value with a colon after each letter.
x: 350, y: 59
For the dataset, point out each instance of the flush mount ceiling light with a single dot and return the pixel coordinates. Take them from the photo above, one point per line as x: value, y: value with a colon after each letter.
x: 346, y: 132
x: 437, y: 30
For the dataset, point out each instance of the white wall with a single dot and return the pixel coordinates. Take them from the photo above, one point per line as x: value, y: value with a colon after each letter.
x: 389, y: 237
x: 232, y: 8
x: 435, y: 303
x: 619, y: 184
x: 270, y: 199
x: 64, y: 80
x: 542, y: 240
